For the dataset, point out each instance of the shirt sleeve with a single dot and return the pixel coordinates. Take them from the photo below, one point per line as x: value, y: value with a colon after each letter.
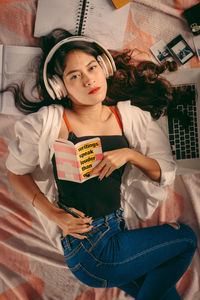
x: 23, y: 155
x: 145, y: 136
x: 158, y: 148
x: 140, y: 194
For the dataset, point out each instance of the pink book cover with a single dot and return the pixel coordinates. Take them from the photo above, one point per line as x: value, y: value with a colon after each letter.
x: 74, y: 162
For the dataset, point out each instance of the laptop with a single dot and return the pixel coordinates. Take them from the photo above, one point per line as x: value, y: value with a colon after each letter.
x: 185, y: 140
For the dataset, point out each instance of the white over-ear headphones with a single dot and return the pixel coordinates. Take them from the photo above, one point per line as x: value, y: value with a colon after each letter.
x: 55, y: 86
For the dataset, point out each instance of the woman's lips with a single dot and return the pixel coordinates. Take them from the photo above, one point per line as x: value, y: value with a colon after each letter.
x: 94, y: 90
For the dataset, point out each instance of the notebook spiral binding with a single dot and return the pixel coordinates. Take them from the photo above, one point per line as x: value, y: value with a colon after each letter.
x: 85, y: 18
x: 79, y: 10
x: 82, y: 14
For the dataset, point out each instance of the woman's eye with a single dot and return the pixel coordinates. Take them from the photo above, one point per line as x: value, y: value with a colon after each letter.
x: 92, y: 67
x: 75, y: 76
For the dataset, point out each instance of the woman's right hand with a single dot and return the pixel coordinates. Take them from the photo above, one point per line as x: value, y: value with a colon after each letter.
x: 72, y: 225
x: 69, y: 224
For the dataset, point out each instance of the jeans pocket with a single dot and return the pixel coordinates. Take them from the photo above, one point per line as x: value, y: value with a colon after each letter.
x: 88, y: 278
x: 71, y: 247
x: 95, y: 236
x: 122, y: 224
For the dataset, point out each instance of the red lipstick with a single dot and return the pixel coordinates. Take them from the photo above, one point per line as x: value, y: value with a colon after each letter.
x: 94, y: 90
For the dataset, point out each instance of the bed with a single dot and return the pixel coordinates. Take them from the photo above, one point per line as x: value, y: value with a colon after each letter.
x: 31, y: 266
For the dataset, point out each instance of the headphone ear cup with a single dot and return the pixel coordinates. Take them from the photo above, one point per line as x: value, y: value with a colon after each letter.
x: 106, y: 65
x: 57, y: 87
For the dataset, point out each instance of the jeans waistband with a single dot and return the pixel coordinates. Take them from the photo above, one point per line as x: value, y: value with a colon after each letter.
x: 118, y: 213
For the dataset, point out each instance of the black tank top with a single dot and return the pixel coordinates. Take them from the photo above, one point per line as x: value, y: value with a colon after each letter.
x: 93, y: 197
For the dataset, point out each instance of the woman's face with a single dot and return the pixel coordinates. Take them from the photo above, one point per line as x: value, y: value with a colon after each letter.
x: 84, y: 79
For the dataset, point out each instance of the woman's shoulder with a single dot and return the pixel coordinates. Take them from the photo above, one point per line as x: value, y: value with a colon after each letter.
x: 135, y: 122
x: 44, y: 114
x: 46, y: 111
x: 132, y: 113
x: 40, y: 123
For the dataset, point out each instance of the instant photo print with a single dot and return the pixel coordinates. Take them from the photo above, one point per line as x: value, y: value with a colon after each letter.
x: 180, y: 49
x: 196, y: 40
x: 161, y: 52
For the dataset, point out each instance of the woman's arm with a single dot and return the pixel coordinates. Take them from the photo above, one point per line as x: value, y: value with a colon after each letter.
x: 30, y: 191
x: 148, y: 165
x: 145, y: 136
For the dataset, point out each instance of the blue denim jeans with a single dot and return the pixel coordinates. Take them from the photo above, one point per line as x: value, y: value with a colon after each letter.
x: 146, y: 263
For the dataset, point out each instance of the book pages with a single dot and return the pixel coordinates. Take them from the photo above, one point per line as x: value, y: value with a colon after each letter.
x: 18, y: 65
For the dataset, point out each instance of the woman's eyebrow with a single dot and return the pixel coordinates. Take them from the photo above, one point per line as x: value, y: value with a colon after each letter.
x: 77, y: 70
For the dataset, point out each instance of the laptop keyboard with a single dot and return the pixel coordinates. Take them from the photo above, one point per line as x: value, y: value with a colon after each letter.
x: 184, y: 139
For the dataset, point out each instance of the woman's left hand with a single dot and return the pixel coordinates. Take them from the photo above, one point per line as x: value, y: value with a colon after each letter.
x: 112, y: 160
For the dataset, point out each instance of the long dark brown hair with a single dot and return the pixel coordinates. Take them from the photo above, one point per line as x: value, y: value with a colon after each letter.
x: 141, y: 83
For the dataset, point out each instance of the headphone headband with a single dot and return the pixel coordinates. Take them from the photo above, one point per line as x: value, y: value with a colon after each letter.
x: 110, y: 60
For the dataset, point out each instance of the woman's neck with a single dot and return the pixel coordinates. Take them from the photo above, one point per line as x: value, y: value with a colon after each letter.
x: 95, y: 112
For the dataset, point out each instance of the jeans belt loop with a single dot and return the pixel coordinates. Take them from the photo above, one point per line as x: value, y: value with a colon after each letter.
x: 117, y: 213
x: 68, y: 243
x: 106, y: 220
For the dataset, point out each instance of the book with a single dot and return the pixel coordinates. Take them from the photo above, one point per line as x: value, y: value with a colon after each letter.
x: 74, y: 162
x: 17, y: 64
x: 97, y: 19
x: 119, y: 3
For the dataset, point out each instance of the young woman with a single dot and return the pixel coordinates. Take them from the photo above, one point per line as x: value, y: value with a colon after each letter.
x: 77, y: 80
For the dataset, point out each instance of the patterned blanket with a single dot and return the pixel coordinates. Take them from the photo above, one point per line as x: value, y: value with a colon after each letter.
x: 31, y: 267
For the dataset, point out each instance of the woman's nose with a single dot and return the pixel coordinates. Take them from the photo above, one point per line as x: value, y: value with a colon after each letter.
x: 88, y: 80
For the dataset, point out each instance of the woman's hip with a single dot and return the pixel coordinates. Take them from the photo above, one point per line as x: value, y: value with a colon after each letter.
x: 112, y: 251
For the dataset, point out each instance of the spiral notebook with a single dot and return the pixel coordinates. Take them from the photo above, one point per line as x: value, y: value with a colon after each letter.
x: 96, y: 19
